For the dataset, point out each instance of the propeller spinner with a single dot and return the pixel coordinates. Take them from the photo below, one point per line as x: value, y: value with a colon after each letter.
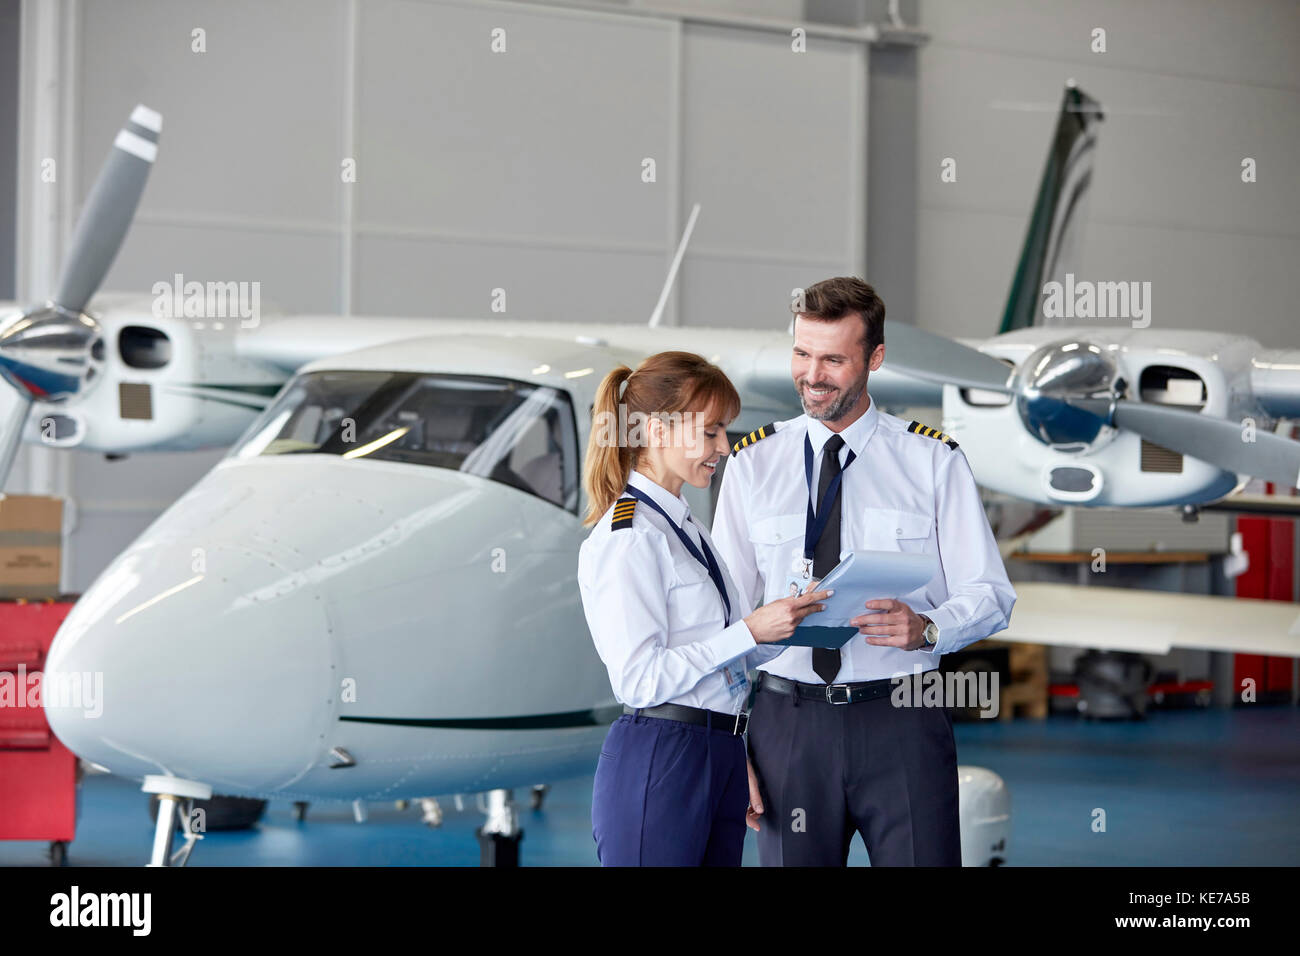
x: 1066, y: 394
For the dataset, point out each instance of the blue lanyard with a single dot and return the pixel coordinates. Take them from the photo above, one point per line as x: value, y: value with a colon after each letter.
x: 705, y: 559
x: 815, y: 525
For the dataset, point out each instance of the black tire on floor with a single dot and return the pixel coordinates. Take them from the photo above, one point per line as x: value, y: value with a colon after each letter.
x: 220, y: 813
x: 58, y: 853
x: 498, y: 850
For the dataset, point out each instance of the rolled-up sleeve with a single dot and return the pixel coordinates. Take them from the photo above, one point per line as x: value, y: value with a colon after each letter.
x: 980, y: 596
x: 625, y: 601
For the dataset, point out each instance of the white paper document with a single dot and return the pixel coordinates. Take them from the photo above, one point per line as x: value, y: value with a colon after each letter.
x: 862, y: 576
x: 866, y: 575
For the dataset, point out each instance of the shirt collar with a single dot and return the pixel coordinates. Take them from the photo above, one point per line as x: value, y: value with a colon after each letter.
x: 855, y: 436
x: 674, y: 506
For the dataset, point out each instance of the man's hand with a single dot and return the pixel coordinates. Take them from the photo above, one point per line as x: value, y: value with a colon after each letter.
x: 897, y: 626
x: 755, y: 801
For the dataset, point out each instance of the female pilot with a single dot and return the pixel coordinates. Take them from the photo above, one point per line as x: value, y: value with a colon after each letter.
x: 674, y: 632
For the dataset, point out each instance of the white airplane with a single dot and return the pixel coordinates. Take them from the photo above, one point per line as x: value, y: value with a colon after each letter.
x: 372, y: 596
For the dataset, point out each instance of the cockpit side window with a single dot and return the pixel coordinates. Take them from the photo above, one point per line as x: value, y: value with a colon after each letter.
x: 512, y: 432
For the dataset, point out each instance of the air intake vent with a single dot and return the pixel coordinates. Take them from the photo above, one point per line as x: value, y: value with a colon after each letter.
x: 135, y: 400
x: 1075, y: 480
x: 1158, y: 458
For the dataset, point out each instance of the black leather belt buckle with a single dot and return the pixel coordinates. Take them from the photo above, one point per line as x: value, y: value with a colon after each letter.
x: 838, y: 694
x: 742, y: 724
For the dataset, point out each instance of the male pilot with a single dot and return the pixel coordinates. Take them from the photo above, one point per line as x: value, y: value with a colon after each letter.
x: 830, y: 753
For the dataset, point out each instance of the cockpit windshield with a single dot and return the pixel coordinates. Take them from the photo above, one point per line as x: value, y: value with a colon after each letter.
x: 519, y: 434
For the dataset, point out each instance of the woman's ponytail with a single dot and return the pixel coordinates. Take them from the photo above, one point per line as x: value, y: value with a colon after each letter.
x: 609, y: 462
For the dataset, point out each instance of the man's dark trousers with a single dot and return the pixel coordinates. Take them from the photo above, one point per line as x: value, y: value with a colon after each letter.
x: 828, y: 770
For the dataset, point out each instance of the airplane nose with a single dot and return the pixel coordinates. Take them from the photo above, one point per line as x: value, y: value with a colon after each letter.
x: 209, y: 663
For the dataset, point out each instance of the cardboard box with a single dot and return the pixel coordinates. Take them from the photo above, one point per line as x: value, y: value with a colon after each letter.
x: 31, y: 546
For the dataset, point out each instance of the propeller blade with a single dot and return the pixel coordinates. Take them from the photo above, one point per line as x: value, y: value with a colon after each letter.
x: 1213, y: 440
x: 109, y: 209
x: 934, y: 358
x: 12, y: 435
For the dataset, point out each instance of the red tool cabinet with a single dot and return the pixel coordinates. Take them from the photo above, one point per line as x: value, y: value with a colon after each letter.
x: 1270, y: 543
x: 38, y: 775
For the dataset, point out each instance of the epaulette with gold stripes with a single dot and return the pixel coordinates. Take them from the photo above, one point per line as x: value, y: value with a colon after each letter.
x: 763, y: 432
x: 929, y: 432
x: 623, y: 510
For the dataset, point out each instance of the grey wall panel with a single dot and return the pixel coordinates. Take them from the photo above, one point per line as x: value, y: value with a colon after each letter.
x: 1247, y: 41
x: 544, y: 140
x: 298, y: 272
x: 1213, y: 281
x: 457, y: 279
x: 774, y: 150
x: 892, y: 186
x: 1185, y: 100
x: 789, y: 10
x: 1217, y: 281
x: 732, y: 294
x: 1169, y: 152
x: 252, y: 127
x: 769, y: 142
x: 965, y: 261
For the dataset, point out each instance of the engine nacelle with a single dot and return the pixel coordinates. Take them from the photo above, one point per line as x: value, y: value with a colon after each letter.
x: 1030, y: 449
x: 169, y: 384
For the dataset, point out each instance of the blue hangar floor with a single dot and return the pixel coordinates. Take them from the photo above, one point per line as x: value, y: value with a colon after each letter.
x: 1182, y: 788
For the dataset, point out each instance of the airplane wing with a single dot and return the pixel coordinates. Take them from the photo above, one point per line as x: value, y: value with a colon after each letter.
x: 1151, y: 622
x: 1277, y: 506
x: 756, y: 360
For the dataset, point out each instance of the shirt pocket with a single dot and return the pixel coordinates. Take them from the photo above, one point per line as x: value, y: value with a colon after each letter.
x: 886, y: 529
x: 692, y: 597
x: 775, y: 540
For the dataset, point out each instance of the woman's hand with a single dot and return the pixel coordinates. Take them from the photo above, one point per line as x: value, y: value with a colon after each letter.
x: 777, y: 621
x: 755, y: 809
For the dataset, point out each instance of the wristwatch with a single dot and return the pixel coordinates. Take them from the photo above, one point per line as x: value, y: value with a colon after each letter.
x: 931, y: 631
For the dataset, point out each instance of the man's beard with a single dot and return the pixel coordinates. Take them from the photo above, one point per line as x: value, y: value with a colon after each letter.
x: 837, y: 409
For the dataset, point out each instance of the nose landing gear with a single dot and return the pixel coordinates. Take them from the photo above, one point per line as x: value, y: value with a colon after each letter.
x: 171, y: 790
x: 499, y: 836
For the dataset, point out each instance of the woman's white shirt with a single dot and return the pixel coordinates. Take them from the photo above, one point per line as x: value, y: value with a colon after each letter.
x: 655, y: 615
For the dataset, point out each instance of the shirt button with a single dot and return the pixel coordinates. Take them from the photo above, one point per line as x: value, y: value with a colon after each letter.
x: 898, y: 531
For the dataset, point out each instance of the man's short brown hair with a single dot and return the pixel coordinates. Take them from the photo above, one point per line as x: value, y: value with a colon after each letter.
x: 833, y: 299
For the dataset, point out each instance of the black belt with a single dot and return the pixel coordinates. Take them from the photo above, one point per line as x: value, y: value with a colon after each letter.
x: 733, y: 724
x: 828, y: 693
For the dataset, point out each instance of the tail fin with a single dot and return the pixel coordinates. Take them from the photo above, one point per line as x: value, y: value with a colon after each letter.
x: 1052, y: 241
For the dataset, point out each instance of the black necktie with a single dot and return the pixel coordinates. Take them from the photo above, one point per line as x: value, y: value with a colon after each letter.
x: 826, y: 660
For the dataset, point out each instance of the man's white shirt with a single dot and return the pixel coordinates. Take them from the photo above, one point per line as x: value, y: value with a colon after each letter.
x: 655, y: 615
x: 904, y: 492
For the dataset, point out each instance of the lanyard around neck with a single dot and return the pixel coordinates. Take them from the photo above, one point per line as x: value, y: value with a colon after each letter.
x: 706, y: 559
x: 815, y: 525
